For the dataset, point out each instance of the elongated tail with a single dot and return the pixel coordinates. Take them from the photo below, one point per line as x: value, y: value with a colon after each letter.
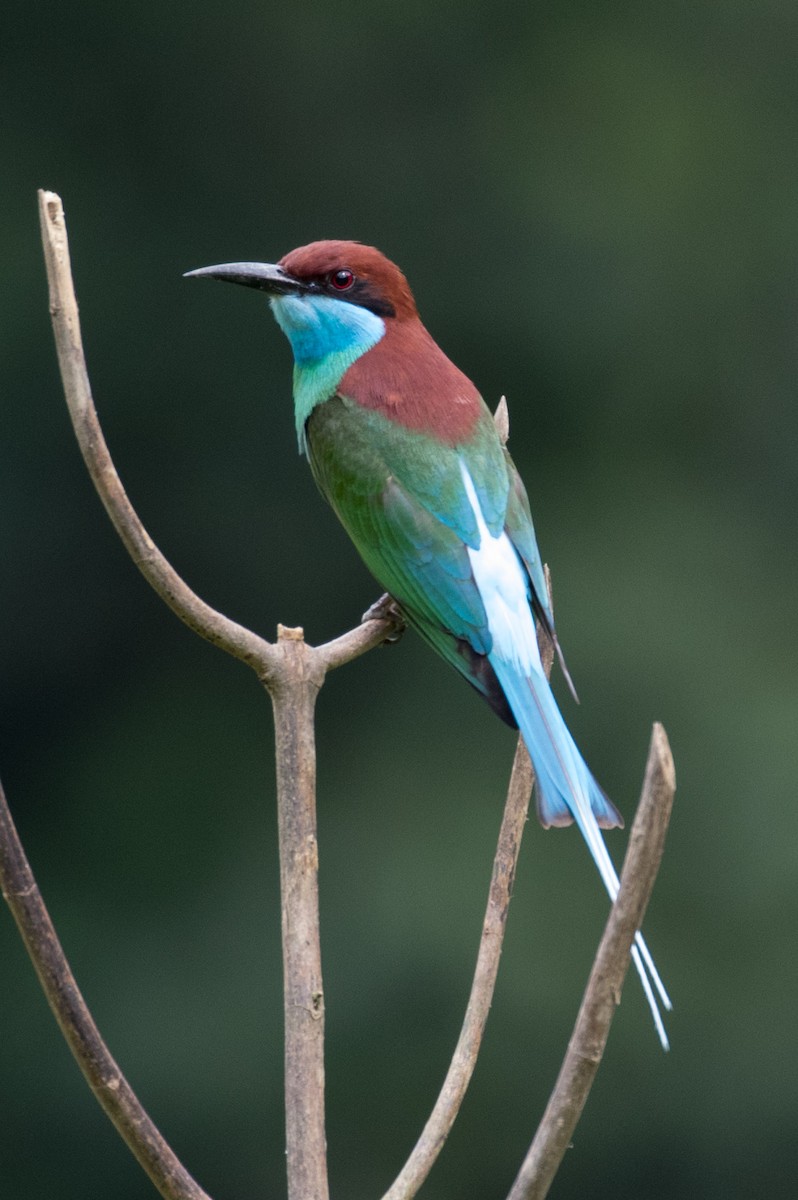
x: 566, y: 790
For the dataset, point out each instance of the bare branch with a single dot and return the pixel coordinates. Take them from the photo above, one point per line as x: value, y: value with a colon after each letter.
x: 451, y: 1096
x: 458, y: 1077
x: 63, y: 995
x: 603, y: 992
x: 199, y: 616
x: 293, y: 700
x: 351, y: 645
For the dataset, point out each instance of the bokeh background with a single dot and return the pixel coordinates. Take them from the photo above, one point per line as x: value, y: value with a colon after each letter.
x: 596, y: 207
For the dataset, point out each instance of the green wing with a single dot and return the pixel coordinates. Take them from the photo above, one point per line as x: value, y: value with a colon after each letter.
x: 399, y: 494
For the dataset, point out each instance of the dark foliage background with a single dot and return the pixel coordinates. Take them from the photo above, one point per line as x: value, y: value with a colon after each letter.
x: 596, y: 209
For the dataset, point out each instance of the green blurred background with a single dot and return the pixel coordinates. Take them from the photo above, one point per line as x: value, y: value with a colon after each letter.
x: 596, y: 207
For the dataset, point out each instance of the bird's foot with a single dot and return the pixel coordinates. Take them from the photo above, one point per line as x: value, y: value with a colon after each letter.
x: 386, y: 609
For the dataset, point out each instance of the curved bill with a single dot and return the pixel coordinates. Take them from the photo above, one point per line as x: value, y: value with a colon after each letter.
x: 267, y: 277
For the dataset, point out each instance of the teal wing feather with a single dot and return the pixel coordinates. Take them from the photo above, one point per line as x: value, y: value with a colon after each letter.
x: 521, y: 531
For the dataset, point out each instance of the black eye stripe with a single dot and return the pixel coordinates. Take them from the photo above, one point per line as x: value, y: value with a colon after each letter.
x: 356, y: 291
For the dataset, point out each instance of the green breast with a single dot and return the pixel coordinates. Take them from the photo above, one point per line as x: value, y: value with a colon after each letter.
x: 354, y: 451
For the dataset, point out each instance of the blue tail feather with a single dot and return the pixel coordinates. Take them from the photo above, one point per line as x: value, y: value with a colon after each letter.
x: 568, y: 792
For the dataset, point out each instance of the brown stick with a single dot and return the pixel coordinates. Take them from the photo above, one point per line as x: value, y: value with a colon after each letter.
x: 461, y: 1068
x: 293, y: 700
x: 198, y: 615
x: 603, y: 992
x: 464, y: 1060
x: 69, y: 1008
x: 349, y: 646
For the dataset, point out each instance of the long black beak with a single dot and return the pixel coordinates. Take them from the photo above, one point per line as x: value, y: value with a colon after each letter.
x: 267, y: 277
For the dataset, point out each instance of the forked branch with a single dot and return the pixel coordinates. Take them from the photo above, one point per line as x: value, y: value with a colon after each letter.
x: 293, y: 672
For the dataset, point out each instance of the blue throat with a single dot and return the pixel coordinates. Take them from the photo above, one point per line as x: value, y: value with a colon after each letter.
x: 327, y: 335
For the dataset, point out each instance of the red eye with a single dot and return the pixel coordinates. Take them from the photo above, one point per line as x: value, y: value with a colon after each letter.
x: 342, y: 280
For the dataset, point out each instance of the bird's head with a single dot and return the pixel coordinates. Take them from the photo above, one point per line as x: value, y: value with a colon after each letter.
x: 329, y: 297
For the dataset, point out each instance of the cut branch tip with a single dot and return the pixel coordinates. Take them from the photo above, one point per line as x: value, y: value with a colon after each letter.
x: 501, y: 419
x: 286, y: 633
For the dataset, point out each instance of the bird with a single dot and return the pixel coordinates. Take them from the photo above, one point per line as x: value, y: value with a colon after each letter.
x: 407, y: 453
